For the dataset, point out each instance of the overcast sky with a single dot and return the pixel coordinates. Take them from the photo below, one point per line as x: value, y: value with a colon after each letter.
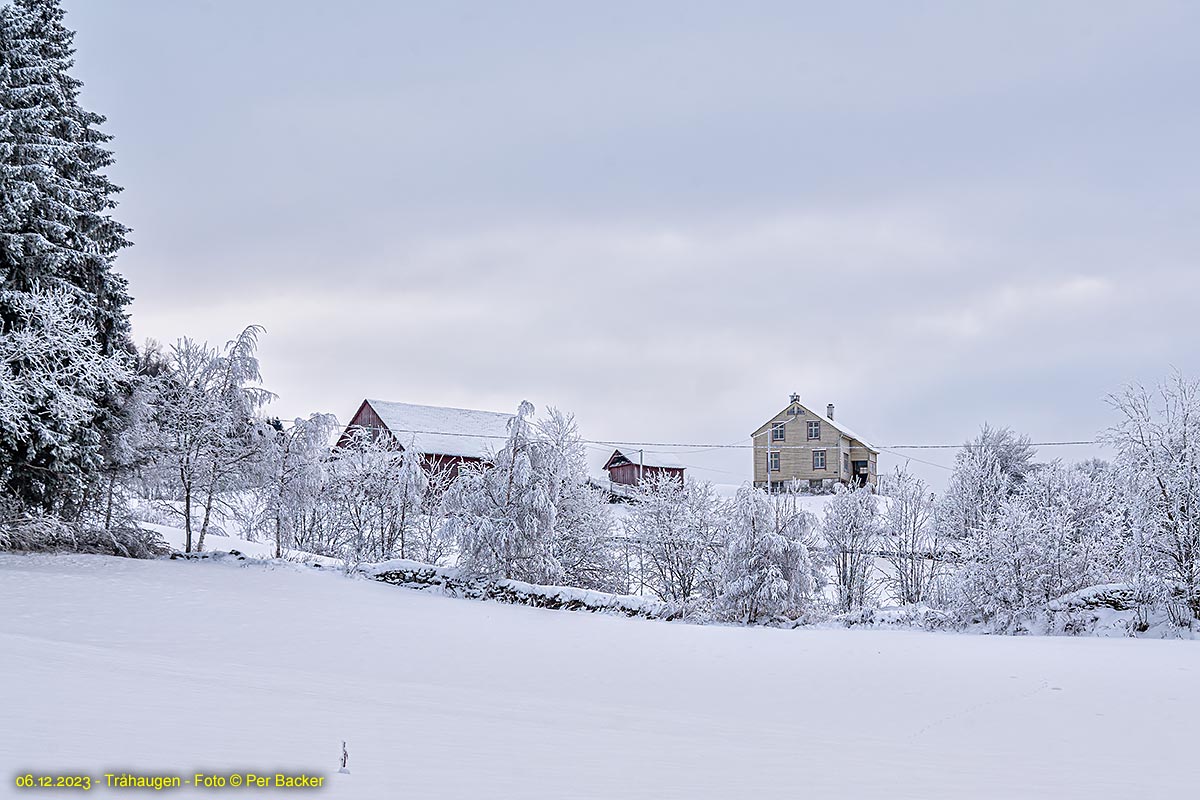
x: 665, y: 217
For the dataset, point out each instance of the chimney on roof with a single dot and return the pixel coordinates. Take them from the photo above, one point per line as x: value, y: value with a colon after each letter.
x: 829, y: 411
x: 795, y: 398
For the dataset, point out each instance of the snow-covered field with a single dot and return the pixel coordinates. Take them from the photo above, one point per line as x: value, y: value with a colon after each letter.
x: 176, y: 667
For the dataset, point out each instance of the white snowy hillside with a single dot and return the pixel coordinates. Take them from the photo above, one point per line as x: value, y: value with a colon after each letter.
x: 174, y: 667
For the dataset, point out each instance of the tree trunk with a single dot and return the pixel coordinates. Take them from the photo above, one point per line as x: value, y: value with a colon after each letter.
x: 112, y: 485
x: 208, y: 501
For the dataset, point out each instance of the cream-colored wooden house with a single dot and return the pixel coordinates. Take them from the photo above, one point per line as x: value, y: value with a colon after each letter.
x: 799, y: 445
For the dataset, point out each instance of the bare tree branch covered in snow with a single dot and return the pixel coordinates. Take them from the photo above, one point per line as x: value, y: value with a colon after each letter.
x: 677, y: 530
x: 1158, y: 443
x: 911, y: 544
x: 851, y: 531
x: 294, y: 473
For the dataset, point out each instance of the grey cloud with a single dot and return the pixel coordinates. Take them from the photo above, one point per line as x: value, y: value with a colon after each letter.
x: 665, y: 217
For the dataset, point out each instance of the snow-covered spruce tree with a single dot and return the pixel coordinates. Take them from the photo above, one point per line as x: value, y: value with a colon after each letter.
x: 53, y: 377
x: 676, y: 528
x: 768, y: 574
x: 527, y: 515
x: 851, y: 531
x: 911, y: 544
x: 56, y: 234
x: 56, y: 231
x: 986, y: 471
x: 1158, y: 443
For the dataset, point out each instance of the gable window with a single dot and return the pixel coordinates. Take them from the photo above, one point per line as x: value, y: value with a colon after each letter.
x: 814, y: 430
x: 773, y: 461
x: 818, y: 459
x: 777, y: 431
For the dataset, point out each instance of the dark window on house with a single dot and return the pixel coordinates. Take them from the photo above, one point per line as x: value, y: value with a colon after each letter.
x: 814, y: 430
x: 818, y: 459
x: 845, y: 462
x: 777, y: 431
x: 773, y: 462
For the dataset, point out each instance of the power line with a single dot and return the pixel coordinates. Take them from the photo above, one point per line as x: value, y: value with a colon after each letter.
x: 701, y: 447
x: 918, y: 460
x: 968, y: 445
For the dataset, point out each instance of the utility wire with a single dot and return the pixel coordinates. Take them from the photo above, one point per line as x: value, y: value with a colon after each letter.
x: 701, y: 447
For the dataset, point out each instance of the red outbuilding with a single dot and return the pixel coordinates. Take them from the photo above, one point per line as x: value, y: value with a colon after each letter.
x: 631, y: 467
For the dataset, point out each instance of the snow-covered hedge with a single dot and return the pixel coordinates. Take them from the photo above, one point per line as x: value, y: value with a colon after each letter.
x: 1117, y: 596
x: 451, y: 582
x: 1115, y: 609
x: 47, y: 534
x: 299, y: 561
x: 919, y: 616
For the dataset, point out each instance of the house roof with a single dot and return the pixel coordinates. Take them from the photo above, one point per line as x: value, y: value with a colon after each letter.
x: 435, y: 430
x: 648, y: 459
x: 821, y: 418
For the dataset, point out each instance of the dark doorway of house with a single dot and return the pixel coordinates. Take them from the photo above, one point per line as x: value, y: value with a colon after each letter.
x: 858, y: 473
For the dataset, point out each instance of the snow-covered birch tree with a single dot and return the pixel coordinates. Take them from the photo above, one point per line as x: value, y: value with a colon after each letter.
x: 851, y: 531
x: 910, y: 543
x: 206, y: 408
x: 676, y: 528
x: 528, y: 514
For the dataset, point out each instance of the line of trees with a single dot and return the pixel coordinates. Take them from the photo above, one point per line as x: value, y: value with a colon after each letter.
x: 92, y: 429
x: 1008, y: 537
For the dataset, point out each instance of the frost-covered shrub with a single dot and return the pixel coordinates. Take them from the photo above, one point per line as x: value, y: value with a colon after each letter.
x: 915, y: 616
x: 33, y: 530
x: 767, y: 571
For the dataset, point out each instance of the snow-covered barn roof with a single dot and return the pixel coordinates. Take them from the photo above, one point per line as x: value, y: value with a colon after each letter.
x: 846, y: 431
x: 649, y: 459
x: 435, y: 430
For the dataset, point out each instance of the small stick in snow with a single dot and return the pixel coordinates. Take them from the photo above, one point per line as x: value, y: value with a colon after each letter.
x: 345, y: 760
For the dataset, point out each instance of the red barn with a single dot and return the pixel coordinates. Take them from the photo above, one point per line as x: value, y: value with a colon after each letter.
x: 447, y: 437
x: 632, y: 469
